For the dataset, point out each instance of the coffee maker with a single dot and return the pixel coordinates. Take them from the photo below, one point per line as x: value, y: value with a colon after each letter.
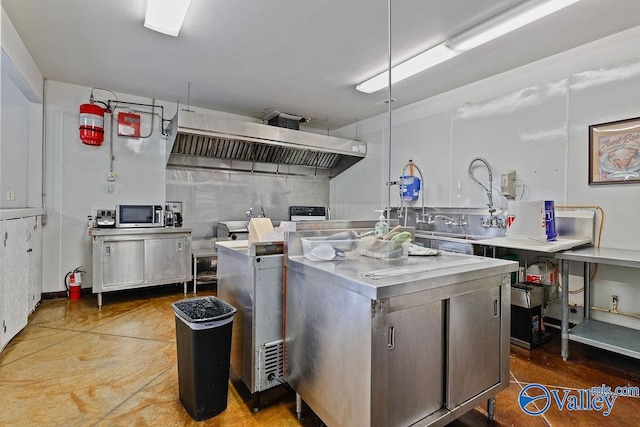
x: 173, y: 214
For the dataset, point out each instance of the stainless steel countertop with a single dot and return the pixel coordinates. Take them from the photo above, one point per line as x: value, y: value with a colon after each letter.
x: 560, y: 244
x: 377, y: 279
x: 620, y: 257
x: 233, y: 246
x: 138, y: 231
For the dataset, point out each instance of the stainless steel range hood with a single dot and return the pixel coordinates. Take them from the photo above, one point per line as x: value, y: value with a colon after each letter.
x: 198, y: 141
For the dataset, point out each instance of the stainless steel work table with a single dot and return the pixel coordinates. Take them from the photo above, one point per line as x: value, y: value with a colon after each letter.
x: 416, y: 341
x: 615, y: 338
x: 376, y: 279
x: 129, y: 258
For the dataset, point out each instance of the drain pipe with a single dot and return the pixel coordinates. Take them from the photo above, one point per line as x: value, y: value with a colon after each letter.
x: 44, y: 153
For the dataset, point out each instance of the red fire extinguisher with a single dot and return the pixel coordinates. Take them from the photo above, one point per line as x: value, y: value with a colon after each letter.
x: 74, y: 287
x: 91, y: 124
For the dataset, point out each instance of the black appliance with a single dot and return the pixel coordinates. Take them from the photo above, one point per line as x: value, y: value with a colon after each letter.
x: 526, y: 315
x: 307, y: 213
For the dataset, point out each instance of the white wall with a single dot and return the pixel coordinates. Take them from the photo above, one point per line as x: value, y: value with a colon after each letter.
x: 20, y: 121
x: 533, y: 119
x: 77, y: 177
x: 28, y: 77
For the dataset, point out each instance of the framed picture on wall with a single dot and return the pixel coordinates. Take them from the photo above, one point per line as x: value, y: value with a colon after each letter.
x: 614, y: 152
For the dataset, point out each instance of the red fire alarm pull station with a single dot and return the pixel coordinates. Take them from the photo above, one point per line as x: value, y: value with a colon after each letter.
x: 129, y: 125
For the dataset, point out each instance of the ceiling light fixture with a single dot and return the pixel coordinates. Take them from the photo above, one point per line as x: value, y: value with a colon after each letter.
x: 514, y: 18
x: 421, y: 62
x: 166, y: 16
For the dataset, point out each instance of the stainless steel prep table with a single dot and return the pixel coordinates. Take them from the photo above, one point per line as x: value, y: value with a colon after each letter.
x: 420, y: 340
x: 128, y: 258
x: 615, y: 338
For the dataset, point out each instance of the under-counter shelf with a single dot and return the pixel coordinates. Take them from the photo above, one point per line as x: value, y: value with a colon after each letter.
x: 199, y: 253
x: 607, y: 336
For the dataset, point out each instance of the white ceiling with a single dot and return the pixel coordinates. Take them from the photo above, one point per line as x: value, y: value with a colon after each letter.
x: 303, y: 57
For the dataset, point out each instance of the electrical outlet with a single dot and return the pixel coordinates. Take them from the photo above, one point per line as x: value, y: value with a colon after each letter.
x: 11, y: 195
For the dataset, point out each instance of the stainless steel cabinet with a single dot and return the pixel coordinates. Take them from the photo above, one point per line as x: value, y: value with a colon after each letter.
x: 123, y: 263
x: 164, y: 259
x: 412, y: 342
x: 415, y: 351
x: 473, y: 363
x: 126, y: 259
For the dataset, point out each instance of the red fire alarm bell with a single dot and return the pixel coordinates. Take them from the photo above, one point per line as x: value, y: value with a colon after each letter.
x: 129, y: 125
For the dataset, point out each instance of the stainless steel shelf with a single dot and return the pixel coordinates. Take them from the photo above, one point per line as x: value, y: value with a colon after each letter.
x: 607, y: 336
x: 610, y: 256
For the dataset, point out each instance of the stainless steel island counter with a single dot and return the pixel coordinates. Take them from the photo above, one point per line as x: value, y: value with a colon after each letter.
x: 418, y: 341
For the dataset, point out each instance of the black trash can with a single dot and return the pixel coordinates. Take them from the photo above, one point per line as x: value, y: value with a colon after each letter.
x: 203, y: 340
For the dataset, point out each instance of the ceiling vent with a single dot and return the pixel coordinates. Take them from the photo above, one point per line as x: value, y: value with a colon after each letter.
x: 284, y: 120
x: 198, y: 141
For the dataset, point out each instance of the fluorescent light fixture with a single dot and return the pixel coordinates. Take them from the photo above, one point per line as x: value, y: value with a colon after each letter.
x: 512, y: 19
x: 408, y: 68
x: 166, y: 16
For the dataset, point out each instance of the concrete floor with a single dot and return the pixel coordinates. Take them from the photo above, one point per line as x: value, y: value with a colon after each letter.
x: 75, y: 364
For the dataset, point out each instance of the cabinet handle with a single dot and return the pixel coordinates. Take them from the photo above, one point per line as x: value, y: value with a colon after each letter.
x: 495, y: 308
x: 391, y: 339
x: 179, y: 246
x: 107, y: 250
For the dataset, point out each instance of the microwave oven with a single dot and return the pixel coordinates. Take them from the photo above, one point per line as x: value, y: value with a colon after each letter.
x: 130, y: 216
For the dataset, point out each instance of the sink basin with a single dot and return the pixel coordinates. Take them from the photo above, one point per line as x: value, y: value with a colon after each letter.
x: 452, y: 237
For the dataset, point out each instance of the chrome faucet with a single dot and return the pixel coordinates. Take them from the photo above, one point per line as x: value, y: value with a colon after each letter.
x: 449, y: 222
x: 249, y: 216
x: 493, y: 221
x: 430, y: 220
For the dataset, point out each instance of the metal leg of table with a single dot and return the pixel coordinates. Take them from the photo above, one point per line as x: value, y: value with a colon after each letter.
x: 298, y: 406
x: 99, y: 299
x: 587, y: 290
x: 195, y: 273
x: 564, y: 343
x: 185, y: 288
x: 491, y: 408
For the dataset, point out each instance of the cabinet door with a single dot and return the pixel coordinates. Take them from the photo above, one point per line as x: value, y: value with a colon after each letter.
x: 15, y: 272
x: 3, y: 282
x: 123, y: 263
x: 473, y: 328
x: 164, y: 260
x: 416, y: 352
x: 34, y: 249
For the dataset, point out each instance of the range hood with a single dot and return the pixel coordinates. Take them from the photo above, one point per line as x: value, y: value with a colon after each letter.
x: 198, y: 141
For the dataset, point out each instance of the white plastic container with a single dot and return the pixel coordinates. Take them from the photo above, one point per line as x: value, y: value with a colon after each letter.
x: 526, y: 221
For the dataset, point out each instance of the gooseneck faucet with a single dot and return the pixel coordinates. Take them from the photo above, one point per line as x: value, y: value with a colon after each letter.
x: 492, y: 220
x: 488, y: 190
